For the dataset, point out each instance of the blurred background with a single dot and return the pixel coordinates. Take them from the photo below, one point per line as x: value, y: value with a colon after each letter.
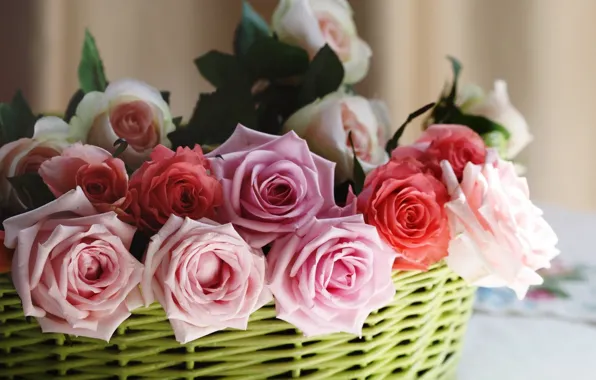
x: 544, y: 49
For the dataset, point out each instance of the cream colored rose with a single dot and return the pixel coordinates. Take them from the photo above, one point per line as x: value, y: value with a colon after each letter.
x: 27, y: 154
x: 326, y: 123
x: 497, y: 107
x: 311, y: 24
x: 128, y: 109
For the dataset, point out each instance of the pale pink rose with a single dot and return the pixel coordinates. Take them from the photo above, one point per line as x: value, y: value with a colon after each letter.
x: 27, y: 154
x: 272, y: 185
x: 326, y: 125
x: 330, y: 275
x: 205, y: 277
x: 311, y: 24
x: 72, y: 268
x: 499, y: 237
x: 102, y: 178
x: 129, y: 110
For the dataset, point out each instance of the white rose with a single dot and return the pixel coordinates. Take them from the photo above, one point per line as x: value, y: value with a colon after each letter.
x: 128, y: 109
x: 325, y: 125
x: 27, y: 154
x: 311, y: 24
x: 497, y: 107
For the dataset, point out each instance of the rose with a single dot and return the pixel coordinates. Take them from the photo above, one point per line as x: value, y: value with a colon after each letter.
x: 25, y: 155
x: 499, y: 237
x: 457, y: 144
x: 497, y: 107
x: 205, y: 277
x: 102, y: 178
x: 129, y: 110
x: 72, y: 268
x: 272, y: 185
x: 404, y: 201
x: 330, y: 275
x: 5, y: 255
x: 325, y: 125
x: 178, y: 183
x: 311, y: 24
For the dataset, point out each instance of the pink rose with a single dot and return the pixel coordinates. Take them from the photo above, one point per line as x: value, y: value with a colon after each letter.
x: 330, y: 275
x: 499, y: 237
x: 72, y: 268
x: 173, y: 183
x: 457, y: 144
x: 272, y: 185
x: 205, y: 277
x: 128, y: 109
x: 27, y: 154
x: 404, y: 201
x: 102, y: 178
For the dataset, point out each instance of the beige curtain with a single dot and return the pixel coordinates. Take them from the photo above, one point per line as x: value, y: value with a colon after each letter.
x: 543, y: 48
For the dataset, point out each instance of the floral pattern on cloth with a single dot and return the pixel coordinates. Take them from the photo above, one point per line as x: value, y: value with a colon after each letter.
x: 568, y: 292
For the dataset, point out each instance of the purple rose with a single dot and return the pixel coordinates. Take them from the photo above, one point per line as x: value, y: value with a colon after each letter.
x: 272, y: 185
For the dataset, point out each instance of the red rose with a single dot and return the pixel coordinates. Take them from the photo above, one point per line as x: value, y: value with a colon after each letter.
x: 178, y: 183
x: 457, y: 144
x: 404, y: 201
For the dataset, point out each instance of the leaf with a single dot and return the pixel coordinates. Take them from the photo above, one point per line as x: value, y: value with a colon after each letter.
x: 275, y: 105
x: 456, y: 67
x: 16, y: 119
x: 121, y: 146
x: 478, y: 124
x: 393, y: 142
x: 74, y: 101
x: 216, y: 115
x: 177, y: 121
x: 358, y: 175
x: 166, y: 96
x: 251, y: 28
x: 91, y: 72
x: 31, y: 190
x: 273, y: 59
x: 325, y: 74
x: 219, y: 68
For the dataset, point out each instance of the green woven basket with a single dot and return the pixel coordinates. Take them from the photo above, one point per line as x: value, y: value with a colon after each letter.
x: 419, y: 335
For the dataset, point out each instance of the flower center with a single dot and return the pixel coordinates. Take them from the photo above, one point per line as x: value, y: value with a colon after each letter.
x: 209, y: 271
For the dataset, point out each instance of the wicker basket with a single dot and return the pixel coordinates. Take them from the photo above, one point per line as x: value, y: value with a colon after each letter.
x: 418, y: 336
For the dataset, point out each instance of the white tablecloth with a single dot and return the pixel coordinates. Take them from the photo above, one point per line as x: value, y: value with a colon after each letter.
x: 537, y: 348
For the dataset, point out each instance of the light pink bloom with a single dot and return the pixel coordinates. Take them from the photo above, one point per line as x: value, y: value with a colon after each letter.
x: 330, y: 275
x: 102, y: 178
x: 72, y: 268
x: 205, y: 277
x: 499, y: 237
x: 272, y: 185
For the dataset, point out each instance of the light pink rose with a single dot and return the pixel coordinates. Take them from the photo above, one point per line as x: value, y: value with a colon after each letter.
x: 272, y: 185
x: 102, y: 178
x: 499, y: 237
x: 72, y: 268
x: 205, y: 277
x: 330, y: 275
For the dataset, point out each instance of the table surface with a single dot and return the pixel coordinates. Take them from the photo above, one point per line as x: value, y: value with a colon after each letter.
x: 537, y: 348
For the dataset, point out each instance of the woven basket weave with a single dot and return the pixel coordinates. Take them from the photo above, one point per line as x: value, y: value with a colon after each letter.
x: 418, y: 336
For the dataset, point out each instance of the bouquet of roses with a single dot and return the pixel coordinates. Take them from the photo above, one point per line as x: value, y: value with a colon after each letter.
x: 282, y: 186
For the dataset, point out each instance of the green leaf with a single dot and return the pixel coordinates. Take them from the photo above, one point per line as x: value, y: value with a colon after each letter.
x: 177, y: 121
x: 121, y: 146
x: 31, y: 190
x: 91, y: 73
x: 16, y: 119
x: 216, y: 115
x: 275, y: 105
x: 219, y: 68
x: 166, y: 96
x: 456, y: 67
x: 272, y: 59
x: 358, y: 174
x: 74, y: 101
x: 325, y: 74
x: 251, y: 28
x: 394, y: 141
x: 478, y: 124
